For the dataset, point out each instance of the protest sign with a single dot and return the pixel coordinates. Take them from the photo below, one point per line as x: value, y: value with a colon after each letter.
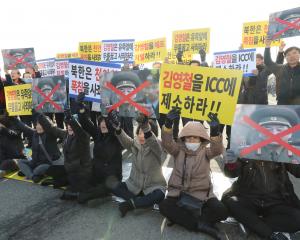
x: 46, y: 67
x: 18, y: 58
x: 68, y: 55
x: 186, y: 57
x: 49, y: 94
x: 255, y: 35
x: 244, y: 60
x: 284, y: 24
x: 117, y: 51
x: 267, y: 132
x: 197, y: 91
x: 18, y: 100
x: 90, y: 51
x: 84, y: 76
x: 62, y: 67
x: 130, y: 92
x: 191, y: 40
x: 150, y: 50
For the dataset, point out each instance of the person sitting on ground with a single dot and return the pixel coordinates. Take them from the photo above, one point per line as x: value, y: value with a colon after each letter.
x: 146, y: 184
x: 45, y: 151
x: 191, y: 202
x: 263, y: 197
x: 11, y: 145
x: 107, y: 154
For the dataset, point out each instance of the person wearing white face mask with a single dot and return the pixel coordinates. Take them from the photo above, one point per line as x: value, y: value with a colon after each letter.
x: 190, y: 201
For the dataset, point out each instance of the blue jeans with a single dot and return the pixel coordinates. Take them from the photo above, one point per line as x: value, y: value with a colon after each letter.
x: 140, y: 201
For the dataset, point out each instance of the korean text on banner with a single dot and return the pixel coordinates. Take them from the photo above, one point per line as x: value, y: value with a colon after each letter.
x: 150, y: 50
x: 84, y: 76
x: 90, y: 51
x: 18, y: 100
x: 255, y: 34
x: 197, y: 91
x: 46, y: 67
x: 117, y: 50
x: 244, y: 60
x: 191, y: 40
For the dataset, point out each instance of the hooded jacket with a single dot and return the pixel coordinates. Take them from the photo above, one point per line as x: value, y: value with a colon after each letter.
x: 197, y: 181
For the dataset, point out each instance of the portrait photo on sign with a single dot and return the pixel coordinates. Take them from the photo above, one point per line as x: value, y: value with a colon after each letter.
x: 130, y: 92
x: 267, y: 132
x: 18, y: 58
x: 49, y: 94
x: 284, y: 24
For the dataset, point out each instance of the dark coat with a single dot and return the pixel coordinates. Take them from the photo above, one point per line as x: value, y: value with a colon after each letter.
x: 107, y: 150
x: 264, y: 181
x: 49, y: 140
x: 287, y: 81
x: 11, y: 144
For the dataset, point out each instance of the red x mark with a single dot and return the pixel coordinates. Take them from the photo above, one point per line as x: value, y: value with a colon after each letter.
x: 48, y: 98
x: 18, y: 60
x: 272, y: 138
x: 127, y: 98
x: 290, y: 25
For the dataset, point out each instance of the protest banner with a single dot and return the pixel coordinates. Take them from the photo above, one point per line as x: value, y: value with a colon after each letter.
x: 18, y: 100
x: 284, y: 24
x: 68, y: 55
x: 117, y: 51
x: 197, y: 91
x: 191, y: 40
x: 150, y: 50
x: 255, y: 34
x: 90, y: 51
x: 267, y: 132
x: 84, y: 76
x: 186, y: 57
x: 49, y: 94
x: 244, y: 60
x: 18, y: 58
x: 46, y: 67
x: 130, y: 92
x: 62, y: 67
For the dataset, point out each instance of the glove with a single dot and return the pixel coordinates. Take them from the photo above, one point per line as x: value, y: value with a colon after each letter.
x: 214, y: 125
x: 68, y: 115
x: 79, y: 102
x: 171, y: 117
x: 143, y: 122
x: 230, y: 157
x: 202, y: 54
x: 80, y: 97
x: 179, y: 56
x: 113, y: 118
x: 35, y: 114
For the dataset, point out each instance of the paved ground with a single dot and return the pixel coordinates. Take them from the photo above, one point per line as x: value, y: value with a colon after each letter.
x: 32, y: 212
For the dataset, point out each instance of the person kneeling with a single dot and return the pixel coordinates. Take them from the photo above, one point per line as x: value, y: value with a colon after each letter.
x: 191, y: 202
x: 146, y: 184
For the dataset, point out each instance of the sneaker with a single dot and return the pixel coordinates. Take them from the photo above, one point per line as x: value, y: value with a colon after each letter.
x: 280, y: 236
x: 2, y: 173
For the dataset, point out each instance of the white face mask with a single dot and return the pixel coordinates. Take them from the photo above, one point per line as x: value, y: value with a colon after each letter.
x: 192, y: 146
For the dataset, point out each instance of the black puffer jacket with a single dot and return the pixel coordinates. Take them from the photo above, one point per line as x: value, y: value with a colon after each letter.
x: 48, y: 138
x: 287, y: 81
x: 11, y: 144
x: 266, y: 182
x: 107, y: 150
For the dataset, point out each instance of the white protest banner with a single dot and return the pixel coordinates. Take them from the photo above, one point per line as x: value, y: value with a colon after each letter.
x: 84, y: 76
x: 244, y: 60
x: 62, y: 67
x: 117, y: 51
x: 46, y: 67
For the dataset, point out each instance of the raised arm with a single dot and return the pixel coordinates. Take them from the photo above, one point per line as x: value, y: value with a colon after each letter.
x: 272, y: 66
x: 49, y: 127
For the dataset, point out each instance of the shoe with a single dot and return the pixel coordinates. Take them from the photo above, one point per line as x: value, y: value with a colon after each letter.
x: 279, y: 236
x: 20, y: 174
x: 93, y: 193
x: 47, y: 182
x: 125, y: 207
x: 37, y: 178
x: 68, y: 195
x: 2, y: 173
x: 210, y: 230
